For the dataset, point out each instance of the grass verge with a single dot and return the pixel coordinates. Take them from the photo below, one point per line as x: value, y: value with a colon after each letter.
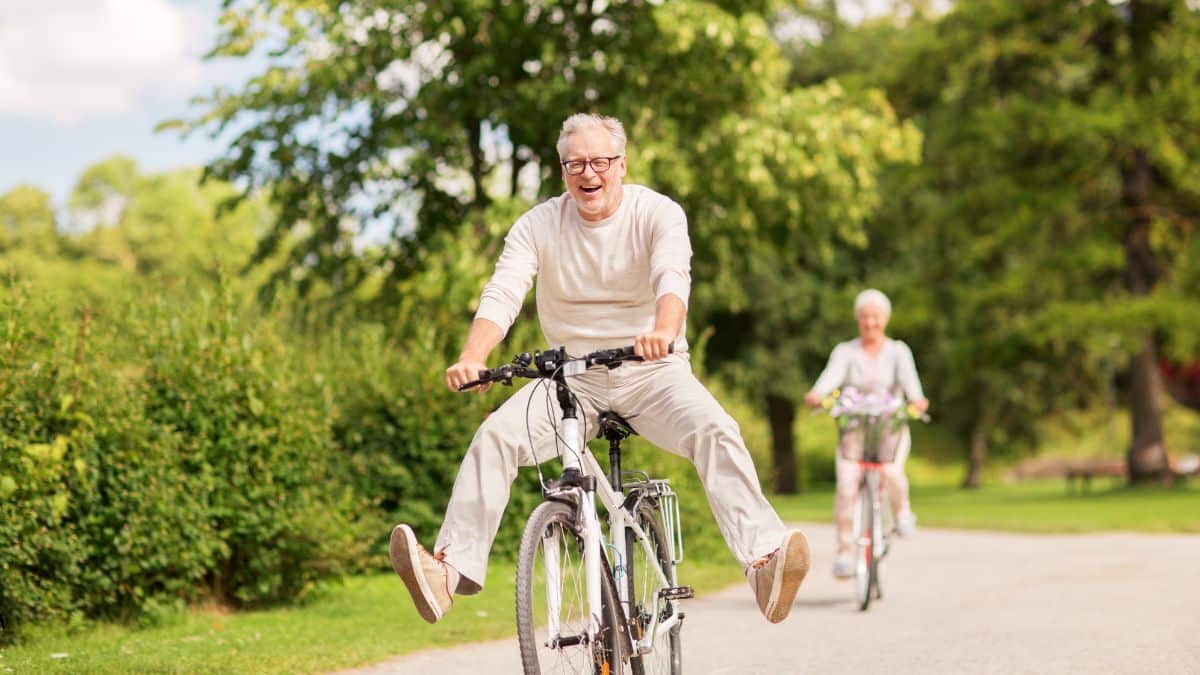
x: 1043, y: 506
x: 360, y: 621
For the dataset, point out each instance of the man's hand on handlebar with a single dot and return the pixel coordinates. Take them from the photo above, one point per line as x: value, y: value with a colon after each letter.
x: 654, y: 345
x: 466, y: 370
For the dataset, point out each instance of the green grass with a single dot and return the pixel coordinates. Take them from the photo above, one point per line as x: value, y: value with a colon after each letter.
x: 361, y: 621
x: 1043, y: 506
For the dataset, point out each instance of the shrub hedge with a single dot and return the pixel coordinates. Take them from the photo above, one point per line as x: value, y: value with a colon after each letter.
x: 169, y: 447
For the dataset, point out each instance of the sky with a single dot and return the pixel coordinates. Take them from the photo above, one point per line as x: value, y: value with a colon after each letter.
x: 82, y: 80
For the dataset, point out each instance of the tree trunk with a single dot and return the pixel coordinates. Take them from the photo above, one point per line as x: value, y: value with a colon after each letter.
x: 976, y: 456
x: 478, y: 170
x: 1147, y: 458
x: 514, y: 187
x: 781, y: 413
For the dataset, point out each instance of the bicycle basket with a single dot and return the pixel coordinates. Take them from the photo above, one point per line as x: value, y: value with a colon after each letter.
x: 875, y: 440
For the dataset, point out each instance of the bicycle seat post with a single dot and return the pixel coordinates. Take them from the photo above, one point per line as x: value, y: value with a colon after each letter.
x: 614, y: 461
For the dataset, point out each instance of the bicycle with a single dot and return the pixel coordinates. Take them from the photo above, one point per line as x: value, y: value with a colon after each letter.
x: 874, y: 521
x: 578, y: 610
x: 878, y: 418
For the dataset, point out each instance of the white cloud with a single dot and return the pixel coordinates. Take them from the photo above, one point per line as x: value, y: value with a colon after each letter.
x: 73, y: 60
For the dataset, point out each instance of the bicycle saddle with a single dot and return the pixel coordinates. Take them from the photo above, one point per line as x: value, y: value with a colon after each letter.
x: 612, y: 423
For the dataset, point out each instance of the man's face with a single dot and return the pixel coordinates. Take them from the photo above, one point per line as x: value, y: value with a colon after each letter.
x: 597, y: 195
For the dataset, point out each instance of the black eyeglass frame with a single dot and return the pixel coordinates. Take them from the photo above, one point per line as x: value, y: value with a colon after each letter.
x: 585, y: 163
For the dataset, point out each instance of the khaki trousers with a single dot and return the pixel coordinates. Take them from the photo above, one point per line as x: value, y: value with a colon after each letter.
x: 663, y: 401
x: 849, y: 475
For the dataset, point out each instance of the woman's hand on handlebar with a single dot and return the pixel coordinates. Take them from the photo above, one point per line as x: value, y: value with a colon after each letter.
x: 812, y: 399
x: 466, y: 370
x: 654, y: 345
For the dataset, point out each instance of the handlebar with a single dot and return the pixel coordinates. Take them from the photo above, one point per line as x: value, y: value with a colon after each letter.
x: 552, y: 364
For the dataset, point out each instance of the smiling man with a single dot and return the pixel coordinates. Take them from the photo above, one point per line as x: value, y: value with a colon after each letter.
x: 613, y: 264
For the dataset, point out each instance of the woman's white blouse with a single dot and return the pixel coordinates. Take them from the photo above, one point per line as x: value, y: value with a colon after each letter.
x: 892, y: 370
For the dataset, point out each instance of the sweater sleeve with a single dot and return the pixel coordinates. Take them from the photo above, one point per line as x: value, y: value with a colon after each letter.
x: 504, y: 294
x: 906, y: 373
x: 671, y: 253
x: 835, y: 372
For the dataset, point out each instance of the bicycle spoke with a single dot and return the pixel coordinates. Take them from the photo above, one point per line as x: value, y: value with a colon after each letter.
x: 553, y: 614
x: 561, y: 577
x: 649, y: 611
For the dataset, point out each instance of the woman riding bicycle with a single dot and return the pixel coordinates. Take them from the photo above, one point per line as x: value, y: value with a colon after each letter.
x: 872, y: 362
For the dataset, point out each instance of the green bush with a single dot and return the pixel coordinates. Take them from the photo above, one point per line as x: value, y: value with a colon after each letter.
x: 403, y: 434
x: 97, y: 519
x: 158, y: 455
x: 254, y: 443
x: 38, y: 549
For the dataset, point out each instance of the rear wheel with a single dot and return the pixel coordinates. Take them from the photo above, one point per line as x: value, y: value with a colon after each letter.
x: 551, y: 583
x: 644, y: 585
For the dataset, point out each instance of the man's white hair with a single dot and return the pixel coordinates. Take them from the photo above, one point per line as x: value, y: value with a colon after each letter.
x: 584, y: 121
x: 873, y: 297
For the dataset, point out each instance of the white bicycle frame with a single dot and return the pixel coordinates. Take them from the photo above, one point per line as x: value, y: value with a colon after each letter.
x: 577, y: 456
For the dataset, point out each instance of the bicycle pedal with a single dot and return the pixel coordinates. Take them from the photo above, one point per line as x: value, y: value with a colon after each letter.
x: 676, y: 593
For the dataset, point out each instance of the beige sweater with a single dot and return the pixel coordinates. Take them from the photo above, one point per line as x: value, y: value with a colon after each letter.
x: 597, y: 282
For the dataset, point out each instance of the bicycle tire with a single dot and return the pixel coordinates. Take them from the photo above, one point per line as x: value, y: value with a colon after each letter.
x: 556, y: 521
x: 864, y: 555
x: 880, y: 548
x: 643, y: 587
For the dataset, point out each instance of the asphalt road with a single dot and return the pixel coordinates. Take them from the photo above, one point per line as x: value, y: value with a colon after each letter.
x: 955, y: 602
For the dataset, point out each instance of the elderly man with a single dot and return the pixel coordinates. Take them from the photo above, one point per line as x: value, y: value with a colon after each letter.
x: 613, y: 268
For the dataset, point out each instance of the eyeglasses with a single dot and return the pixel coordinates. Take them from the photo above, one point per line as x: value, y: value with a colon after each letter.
x: 574, y: 167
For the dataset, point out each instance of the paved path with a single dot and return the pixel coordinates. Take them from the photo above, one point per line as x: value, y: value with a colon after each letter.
x: 955, y: 602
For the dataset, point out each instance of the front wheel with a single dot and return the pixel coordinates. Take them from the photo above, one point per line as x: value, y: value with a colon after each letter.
x: 864, y: 554
x: 552, y: 608
x: 880, y: 546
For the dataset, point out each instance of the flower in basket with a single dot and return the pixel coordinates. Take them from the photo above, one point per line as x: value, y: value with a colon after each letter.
x: 852, y: 407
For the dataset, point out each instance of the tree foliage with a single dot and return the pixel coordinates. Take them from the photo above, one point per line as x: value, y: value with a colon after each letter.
x: 1052, y: 212
x: 399, y: 117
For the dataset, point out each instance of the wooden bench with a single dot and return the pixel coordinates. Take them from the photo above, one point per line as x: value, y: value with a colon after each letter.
x: 1080, y: 471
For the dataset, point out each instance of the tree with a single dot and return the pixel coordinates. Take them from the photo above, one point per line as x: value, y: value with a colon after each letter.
x: 779, y: 235
x: 27, y: 222
x: 1057, y: 135
x: 402, y: 116
x: 162, y: 224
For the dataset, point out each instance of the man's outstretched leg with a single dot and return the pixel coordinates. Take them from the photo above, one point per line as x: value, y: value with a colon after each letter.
x: 675, y: 411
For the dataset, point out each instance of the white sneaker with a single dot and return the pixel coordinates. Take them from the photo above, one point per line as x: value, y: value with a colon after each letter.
x: 843, y: 566
x: 906, y: 524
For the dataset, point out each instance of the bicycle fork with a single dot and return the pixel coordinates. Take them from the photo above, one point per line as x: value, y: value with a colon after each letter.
x: 591, y: 534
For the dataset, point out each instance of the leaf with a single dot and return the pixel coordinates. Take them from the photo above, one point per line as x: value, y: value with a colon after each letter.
x: 7, y: 486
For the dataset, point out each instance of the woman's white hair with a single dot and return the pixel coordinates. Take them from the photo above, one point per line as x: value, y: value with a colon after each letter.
x: 872, y: 297
x: 584, y: 121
